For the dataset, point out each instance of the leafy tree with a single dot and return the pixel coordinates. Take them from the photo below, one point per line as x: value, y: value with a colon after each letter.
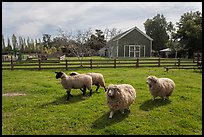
x: 158, y: 28
x: 46, y: 40
x: 97, y: 40
x: 189, y: 33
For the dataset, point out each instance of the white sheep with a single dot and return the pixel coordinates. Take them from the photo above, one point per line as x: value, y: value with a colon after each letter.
x: 119, y: 97
x: 162, y: 87
x: 97, y: 79
x: 75, y: 82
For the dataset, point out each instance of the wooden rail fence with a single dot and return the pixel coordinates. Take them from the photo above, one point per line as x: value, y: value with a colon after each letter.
x: 96, y: 63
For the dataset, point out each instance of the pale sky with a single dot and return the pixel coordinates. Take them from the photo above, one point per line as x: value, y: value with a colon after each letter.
x: 33, y: 19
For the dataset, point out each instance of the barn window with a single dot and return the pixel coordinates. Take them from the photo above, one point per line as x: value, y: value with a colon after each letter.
x: 134, y: 51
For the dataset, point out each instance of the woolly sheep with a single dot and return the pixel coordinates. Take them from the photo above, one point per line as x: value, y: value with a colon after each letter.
x: 119, y: 97
x: 75, y: 82
x: 162, y: 87
x: 97, y: 79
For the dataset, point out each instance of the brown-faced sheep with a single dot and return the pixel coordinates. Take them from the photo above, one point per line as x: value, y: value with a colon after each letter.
x: 119, y: 97
x: 97, y: 79
x: 76, y: 82
x: 162, y: 87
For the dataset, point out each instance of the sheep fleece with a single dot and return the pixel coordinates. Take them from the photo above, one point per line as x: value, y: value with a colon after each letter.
x: 162, y: 87
x: 78, y: 81
x: 97, y: 79
x: 123, y: 99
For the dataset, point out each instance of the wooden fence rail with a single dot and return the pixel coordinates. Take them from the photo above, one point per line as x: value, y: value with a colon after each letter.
x: 96, y: 63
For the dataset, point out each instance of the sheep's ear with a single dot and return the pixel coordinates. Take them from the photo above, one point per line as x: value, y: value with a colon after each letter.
x: 56, y: 72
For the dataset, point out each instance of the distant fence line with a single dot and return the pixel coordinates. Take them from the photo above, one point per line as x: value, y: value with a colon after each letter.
x: 96, y: 63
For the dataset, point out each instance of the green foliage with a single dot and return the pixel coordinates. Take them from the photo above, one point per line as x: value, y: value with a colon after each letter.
x: 45, y: 111
x: 157, y: 29
x: 190, y: 32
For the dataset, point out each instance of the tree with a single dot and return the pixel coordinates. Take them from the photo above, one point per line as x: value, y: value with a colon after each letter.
x: 14, y: 41
x: 8, y: 49
x: 110, y: 33
x: 3, y: 45
x: 97, y: 40
x: 15, y: 44
x: 21, y: 44
x: 189, y: 33
x: 76, y: 44
x: 46, y: 40
x: 158, y: 28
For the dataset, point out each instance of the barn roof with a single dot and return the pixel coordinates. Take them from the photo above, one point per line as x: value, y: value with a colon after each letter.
x: 119, y: 36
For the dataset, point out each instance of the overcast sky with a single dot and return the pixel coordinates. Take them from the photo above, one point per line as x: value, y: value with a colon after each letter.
x: 33, y: 19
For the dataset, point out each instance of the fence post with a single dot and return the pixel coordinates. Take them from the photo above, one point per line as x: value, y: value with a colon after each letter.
x: 159, y: 62
x: 66, y: 64
x: 91, y: 63
x: 114, y: 63
x: 39, y: 63
x: 137, y: 62
x: 179, y: 61
x: 12, y: 66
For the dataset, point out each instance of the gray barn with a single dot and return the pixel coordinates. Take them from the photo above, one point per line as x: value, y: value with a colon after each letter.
x: 131, y: 43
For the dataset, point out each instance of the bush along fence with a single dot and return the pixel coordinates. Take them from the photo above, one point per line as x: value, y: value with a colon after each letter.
x: 97, y: 63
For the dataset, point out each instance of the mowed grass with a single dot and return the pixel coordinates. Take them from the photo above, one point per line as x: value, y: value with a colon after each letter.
x: 45, y: 111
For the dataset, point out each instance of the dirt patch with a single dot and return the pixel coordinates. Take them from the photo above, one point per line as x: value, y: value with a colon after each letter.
x: 14, y: 94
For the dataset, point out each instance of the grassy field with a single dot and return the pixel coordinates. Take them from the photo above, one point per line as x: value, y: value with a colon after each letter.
x: 43, y: 110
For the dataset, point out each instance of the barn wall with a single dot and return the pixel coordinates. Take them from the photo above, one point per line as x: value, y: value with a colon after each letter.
x: 135, y: 38
x: 132, y: 38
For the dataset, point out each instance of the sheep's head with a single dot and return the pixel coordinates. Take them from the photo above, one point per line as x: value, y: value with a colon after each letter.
x: 112, y: 90
x: 59, y: 74
x: 151, y: 80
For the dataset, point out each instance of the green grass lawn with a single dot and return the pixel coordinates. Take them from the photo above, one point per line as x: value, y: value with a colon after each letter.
x: 44, y: 109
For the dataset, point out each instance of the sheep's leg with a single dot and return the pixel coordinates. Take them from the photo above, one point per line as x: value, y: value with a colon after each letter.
x: 90, y: 92
x: 97, y: 87
x: 84, y: 91
x: 111, y: 114
x: 68, y: 94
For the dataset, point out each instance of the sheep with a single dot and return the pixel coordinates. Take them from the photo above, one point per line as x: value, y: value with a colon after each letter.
x: 119, y: 97
x: 75, y: 82
x: 162, y: 87
x: 97, y: 79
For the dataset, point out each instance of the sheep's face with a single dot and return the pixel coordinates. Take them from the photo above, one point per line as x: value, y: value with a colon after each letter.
x: 113, y: 91
x: 151, y: 80
x: 59, y: 74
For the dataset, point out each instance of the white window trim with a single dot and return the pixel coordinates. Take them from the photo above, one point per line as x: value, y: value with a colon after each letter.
x: 140, y: 46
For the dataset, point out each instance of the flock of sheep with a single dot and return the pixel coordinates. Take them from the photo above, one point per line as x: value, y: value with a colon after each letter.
x: 118, y: 96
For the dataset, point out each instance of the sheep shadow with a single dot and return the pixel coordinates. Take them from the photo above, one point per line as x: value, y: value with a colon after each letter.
x: 105, y: 121
x: 63, y: 100
x: 151, y: 104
